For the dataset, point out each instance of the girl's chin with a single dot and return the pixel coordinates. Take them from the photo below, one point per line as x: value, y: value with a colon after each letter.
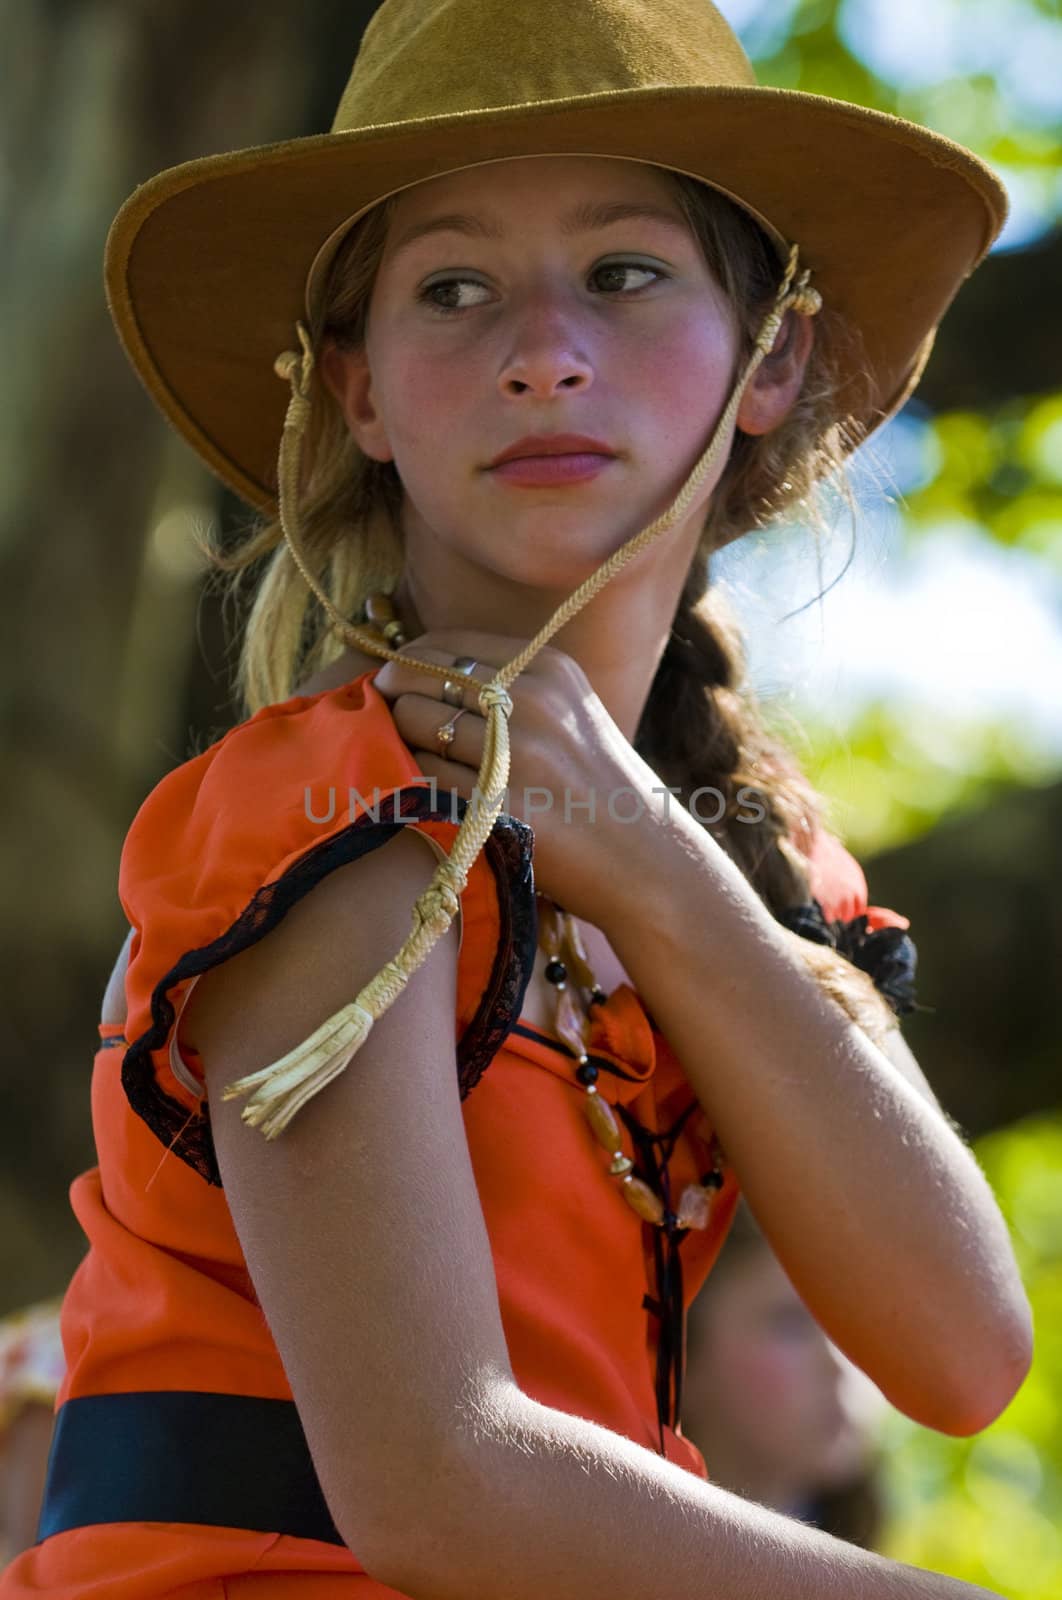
x: 548, y: 565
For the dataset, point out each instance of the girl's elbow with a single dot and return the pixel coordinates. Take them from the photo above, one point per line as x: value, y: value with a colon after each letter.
x: 990, y: 1390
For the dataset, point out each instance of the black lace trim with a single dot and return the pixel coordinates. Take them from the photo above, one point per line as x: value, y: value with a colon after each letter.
x: 507, y: 849
x: 888, y: 955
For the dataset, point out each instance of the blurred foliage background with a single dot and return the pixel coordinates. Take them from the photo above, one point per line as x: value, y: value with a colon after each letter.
x: 884, y: 659
x: 989, y: 1508
x: 942, y: 758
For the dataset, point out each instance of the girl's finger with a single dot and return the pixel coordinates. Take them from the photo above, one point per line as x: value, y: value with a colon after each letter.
x: 418, y: 721
x: 394, y: 679
x: 488, y: 650
x: 451, y: 777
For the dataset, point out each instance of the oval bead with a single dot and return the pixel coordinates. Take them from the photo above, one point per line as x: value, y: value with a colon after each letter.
x: 379, y: 609
x: 548, y: 926
x: 571, y: 1022
x: 642, y: 1199
x: 577, y: 956
x: 694, y: 1208
x: 606, y: 1128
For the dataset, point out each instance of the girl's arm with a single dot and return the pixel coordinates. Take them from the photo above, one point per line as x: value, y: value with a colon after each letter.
x: 550, y: 1504
x: 364, y: 1236
x: 876, y: 1209
x: 899, y: 1053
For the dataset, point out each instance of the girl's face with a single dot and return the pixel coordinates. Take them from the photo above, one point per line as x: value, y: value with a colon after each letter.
x: 532, y: 317
x: 768, y: 1395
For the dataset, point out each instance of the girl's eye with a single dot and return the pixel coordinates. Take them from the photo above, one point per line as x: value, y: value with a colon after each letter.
x: 630, y: 266
x: 619, y: 267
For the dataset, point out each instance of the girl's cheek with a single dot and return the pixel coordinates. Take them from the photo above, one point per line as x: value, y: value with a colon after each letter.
x: 436, y: 389
x: 683, y: 374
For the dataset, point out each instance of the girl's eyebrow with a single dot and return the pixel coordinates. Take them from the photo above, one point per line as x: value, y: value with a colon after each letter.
x: 586, y: 216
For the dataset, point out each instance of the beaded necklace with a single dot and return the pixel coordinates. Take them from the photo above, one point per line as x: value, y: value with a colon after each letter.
x: 561, y: 942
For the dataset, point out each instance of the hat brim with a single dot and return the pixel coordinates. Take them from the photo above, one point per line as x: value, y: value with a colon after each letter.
x: 206, y: 264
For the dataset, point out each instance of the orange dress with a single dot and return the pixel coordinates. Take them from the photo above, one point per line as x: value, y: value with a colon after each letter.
x: 179, y: 1464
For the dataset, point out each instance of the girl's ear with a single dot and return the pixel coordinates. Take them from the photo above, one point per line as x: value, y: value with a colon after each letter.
x: 347, y: 376
x: 777, y: 381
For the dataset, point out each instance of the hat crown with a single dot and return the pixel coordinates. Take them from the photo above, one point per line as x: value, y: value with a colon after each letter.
x: 439, y: 58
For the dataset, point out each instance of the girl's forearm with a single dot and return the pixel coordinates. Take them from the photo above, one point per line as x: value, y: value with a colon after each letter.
x: 879, y: 1214
x: 543, y: 1503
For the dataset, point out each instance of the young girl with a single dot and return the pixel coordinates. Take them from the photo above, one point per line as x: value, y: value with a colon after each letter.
x: 788, y: 1422
x: 395, y: 1221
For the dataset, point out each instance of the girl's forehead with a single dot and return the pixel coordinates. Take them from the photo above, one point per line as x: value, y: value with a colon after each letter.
x: 569, y: 195
x: 498, y: 179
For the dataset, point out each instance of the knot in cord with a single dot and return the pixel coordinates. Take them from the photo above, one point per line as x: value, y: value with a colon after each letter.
x: 804, y: 299
x: 494, y: 695
x: 438, y: 905
x: 297, y: 370
x: 290, y: 362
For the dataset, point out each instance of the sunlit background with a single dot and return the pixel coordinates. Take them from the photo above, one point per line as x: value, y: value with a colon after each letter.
x: 944, y: 636
x: 916, y: 661
x: 913, y: 658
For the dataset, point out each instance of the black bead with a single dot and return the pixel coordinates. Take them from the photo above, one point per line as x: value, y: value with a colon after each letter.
x: 556, y: 971
x: 598, y: 997
x: 712, y: 1180
x: 587, y: 1072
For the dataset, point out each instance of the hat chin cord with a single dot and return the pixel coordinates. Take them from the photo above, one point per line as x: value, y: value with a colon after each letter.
x: 277, y: 1092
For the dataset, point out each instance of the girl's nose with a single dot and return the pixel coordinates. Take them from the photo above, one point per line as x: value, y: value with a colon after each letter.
x: 547, y: 351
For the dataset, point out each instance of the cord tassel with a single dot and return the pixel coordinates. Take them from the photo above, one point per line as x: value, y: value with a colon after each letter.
x: 277, y: 1092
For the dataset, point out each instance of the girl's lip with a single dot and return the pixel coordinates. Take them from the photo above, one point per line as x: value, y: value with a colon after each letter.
x: 535, y: 471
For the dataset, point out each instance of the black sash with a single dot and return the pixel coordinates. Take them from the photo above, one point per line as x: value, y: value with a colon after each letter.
x: 226, y: 1460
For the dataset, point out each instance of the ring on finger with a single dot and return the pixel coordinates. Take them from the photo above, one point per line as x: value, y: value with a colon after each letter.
x: 453, y: 693
x: 446, y: 735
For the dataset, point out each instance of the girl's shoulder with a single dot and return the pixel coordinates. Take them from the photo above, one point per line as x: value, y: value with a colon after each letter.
x: 230, y: 840
x: 279, y: 778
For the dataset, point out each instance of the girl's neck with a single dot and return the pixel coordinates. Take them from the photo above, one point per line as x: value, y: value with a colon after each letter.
x: 619, y: 654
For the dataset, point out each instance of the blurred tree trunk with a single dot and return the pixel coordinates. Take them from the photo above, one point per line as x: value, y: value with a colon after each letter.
x: 984, y: 895
x: 993, y: 346
x: 99, y: 96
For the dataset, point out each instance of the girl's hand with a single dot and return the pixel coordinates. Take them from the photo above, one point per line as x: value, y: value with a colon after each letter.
x: 565, y: 752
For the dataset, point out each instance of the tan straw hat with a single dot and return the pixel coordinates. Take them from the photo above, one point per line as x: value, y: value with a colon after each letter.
x: 212, y: 265
x: 207, y: 262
